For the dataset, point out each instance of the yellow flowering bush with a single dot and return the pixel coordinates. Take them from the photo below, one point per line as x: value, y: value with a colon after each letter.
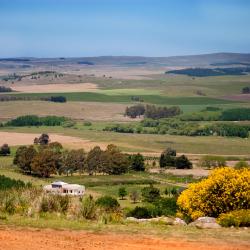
x: 237, y: 218
x: 226, y: 189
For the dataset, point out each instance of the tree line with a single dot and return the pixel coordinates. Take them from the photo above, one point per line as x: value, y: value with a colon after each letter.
x: 152, y: 111
x: 46, y: 158
x: 169, y: 158
x: 34, y: 120
x: 5, y: 89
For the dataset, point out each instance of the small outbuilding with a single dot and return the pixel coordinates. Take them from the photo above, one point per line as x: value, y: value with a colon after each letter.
x: 63, y: 188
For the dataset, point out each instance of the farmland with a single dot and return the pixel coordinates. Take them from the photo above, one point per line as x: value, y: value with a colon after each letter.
x: 96, y: 98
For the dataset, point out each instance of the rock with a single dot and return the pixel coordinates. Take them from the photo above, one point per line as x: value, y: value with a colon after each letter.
x: 167, y: 220
x: 132, y: 219
x: 179, y: 222
x: 206, y: 219
x: 163, y: 219
x: 205, y: 223
x: 208, y: 225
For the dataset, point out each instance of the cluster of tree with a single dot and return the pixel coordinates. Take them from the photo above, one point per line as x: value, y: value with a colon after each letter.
x: 168, y: 158
x: 180, y: 127
x: 204, y: 72
x: 5, y: 89
x: 134, y: 111
x: 33, y: 120
x: 245, y: 90
x: 58, y: 99
x: 4, y: 150
x: 50, y: 158
x: 136, y: 99
x: 152, y: 111
x: 236, y: 114
x: 7, y: 183
x: 155, y: 204
x: 7, y: 98
x: 155, y: 112
x: 228, y: 129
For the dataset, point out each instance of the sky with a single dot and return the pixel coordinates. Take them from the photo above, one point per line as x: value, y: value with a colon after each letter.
x: 75, y: 28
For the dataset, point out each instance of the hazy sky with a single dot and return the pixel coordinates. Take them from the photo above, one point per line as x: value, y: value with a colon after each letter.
x: 52, y: 28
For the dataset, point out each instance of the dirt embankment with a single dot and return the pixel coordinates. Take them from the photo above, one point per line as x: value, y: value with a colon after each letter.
x: 14, y: 239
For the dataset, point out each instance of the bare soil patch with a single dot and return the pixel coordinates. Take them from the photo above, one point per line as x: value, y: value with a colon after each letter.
x: 14, y: 139
x: 15, y: 239
x: 54, y: 88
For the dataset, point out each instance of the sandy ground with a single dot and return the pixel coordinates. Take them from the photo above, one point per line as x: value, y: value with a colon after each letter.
x: 54, y: 88
x: 14, y: 139
x: 27, y: 239
x: 90, y: 111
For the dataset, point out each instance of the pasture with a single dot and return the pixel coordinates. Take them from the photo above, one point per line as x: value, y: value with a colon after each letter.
x: 145, y: 143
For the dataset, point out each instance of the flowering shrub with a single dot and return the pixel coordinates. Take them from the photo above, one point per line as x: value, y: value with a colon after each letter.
x: 225, y: 190
x: 237, y: 218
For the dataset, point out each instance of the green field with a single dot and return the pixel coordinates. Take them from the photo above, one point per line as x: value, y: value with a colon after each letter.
x: 154, y: 99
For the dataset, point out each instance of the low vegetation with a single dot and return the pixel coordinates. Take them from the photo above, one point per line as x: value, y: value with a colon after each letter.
x: 8, y: 183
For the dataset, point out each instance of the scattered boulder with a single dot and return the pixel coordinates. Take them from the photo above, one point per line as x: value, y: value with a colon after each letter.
x: 179, y: 222
x: 205, y: 223
x: 163, y: 219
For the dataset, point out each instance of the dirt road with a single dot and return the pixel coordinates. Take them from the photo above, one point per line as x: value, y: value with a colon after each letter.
x: 33, y: 239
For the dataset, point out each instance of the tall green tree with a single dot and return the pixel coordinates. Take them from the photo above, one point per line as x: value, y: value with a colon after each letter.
x: 93, y: 161
x: 137, y: 162
x: 72, y: 161
x: 23, y: 158
x: 167, y: 158
x: 118, y: 163
x: 44, y: 163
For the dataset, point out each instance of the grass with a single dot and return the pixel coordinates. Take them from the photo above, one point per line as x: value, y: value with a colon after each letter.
x: 124, y: 98
x: 151, y: 143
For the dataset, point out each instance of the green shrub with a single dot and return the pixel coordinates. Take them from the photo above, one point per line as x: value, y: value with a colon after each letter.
x: 139, y: 213
x: 64, y: 202
x: 212, y: 161
x: 122, y: 192
x: 107, y: 203
x: 150, y: 194
x: 237, y: 218
x: 54, y: 203
x: 7, y: 183
x: 241, y: 164
x: 88, y: 208
x: 182, y: 162
x: 87, y: 124
x: 166, y: 206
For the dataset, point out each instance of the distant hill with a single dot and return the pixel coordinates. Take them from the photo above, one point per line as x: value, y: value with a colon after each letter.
x: 204, y: 60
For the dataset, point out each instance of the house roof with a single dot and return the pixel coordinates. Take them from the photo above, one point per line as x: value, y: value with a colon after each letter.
x: 73, y: 186
x: 59, y: 183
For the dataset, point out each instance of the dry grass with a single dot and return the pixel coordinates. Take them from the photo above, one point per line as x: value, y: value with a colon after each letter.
x: 76, y: 110
x: 51, y: 88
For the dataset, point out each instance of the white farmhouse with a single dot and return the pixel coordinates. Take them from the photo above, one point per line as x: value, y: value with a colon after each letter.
x: 63, y: 188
